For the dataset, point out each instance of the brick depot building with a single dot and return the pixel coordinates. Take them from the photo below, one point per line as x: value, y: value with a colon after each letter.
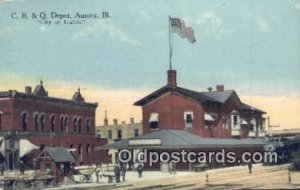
x: 47, y: 122
x: 212, y: 114
x: 176, y: 118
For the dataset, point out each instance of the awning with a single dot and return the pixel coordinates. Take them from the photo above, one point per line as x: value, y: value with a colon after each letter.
x: 244, y: 122
x: 26, y: 146
x: 208, y: 117
x: 2, y: 146
x: 153, y: 117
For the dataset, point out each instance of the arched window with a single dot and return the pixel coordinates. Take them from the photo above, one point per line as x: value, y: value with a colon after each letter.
x: 79, y: 125
x: 43, y: 120
x: 88, y: 149
x: 66, y: 123
x: 62, y: 123
x: 24, y: 120
x: 36, y: 121
x: 1, y: 113
x: 88, y: 125
x: 75, y: 124
x: 52, y: 123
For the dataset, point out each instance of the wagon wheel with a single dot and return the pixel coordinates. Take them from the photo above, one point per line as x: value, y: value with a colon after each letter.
x: 19, y: 185
x: 89, y: 179
x: 83, y: 179
x: 38, y: 184
x: 53, y: 183
x: 8, y: 185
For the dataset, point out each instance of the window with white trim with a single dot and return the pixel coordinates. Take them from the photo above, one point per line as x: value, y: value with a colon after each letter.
x: 24, y: 120
x: 62, y: 123
x: 88, y: 125
x: 153, y: 120
x: 36, y: 121
x: 188, y: 119
x: 43, y: 120
x: 52, y: 123
x: 1, y: 113
x: 79, y: 125
x: 75, y: 124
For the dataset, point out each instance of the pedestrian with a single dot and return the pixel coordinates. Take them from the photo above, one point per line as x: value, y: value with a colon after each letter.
x: 171, y: 167
x: 250, y: 167
x: 140, y: 170
x: 124, y: 171
x: 22, y: 168
x: 117, y: 171
x: 98, y: 173
x: 2, y: 168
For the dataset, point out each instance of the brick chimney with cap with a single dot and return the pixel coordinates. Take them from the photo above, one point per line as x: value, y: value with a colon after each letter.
x: 220, y: 88
x: 172, y: 78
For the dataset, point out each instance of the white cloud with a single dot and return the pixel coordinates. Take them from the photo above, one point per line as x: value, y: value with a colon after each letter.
x: 297, y: 6
x: 43, y: 29
x: 211, y: 23
x: 105, y: 27
x: 263, y: 26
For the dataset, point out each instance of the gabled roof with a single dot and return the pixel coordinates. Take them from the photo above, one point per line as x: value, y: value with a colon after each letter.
x: 221, y: 97
x: 246, y: 107
x: 59, y: 154
x: 198, y: 96
x: 182, y: 139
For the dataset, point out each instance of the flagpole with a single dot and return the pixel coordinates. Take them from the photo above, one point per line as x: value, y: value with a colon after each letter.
x: 170, y: 44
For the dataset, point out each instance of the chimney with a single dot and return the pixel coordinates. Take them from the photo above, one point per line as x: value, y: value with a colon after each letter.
x: 105, y: 119
x: 172, y: 78
x: 28, y: 90
x: 209, y: 89
x: 115, y: 122
x: 220, y: 88
x: 132, y: 120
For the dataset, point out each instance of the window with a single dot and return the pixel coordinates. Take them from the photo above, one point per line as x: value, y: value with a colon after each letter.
x: 1, y: 120
x: 43, y: 120
x: 188, y: 118
x: 75, y: 124
x: 235, y: 120
x: 136, y: 132
x: 79, y: 150
x: 36, y: 122
x: 98, y: 133
x: 42, y: 146
x: 153, y: 121
x: 52, y: 123
x: 65, y: 125
x: 119, y: 134
x: 79, y: 125
x: 24, y: 121
x: 88, y: 149
x: 61, y: 123
x: 110, y: 134
x: 88, y: 124
x: 251, y: 127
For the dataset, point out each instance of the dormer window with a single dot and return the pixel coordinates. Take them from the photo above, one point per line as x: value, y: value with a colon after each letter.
x: 188, y: 118
x: 153, y: 121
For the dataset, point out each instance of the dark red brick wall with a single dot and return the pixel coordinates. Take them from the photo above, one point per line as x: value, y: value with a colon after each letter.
x: 12, y: 120
x: 171, y: 108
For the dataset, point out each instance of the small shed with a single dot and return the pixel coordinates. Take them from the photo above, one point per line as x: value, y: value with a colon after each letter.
x: 56, y: 161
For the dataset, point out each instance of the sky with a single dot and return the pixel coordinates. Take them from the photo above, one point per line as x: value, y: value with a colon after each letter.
x: 251, y: 46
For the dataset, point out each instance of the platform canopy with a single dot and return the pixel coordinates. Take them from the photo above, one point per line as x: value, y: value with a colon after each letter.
x: 178, y: 139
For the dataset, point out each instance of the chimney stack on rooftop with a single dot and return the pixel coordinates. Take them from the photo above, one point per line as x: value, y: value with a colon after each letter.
x: 220, y: 88
x: 172, y: 78
x: 28, y: 90
x: 115, y: 122
x: 132, y: 120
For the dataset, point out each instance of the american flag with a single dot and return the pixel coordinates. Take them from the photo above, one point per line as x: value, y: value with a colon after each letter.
x: 178, y: 26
